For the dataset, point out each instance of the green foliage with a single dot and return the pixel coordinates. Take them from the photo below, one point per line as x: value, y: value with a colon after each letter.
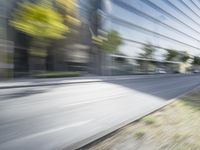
x: 149, y: 120
x: 184, y: 57
x: 39, y: 21
x: 37, y: 52
x: 98, y: 40
x: 171, y: 55
x: 196, y: 60
x: 109, y: 43
x: 68, y: 9
x: 112, y: 42
x: 149, y: 51
x: 140, y: 134
x: 57, y: 74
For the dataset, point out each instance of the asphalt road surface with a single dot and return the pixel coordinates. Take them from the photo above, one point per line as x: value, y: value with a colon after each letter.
x: 67, y: 116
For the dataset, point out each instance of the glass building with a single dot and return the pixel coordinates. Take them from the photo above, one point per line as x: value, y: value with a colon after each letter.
x: 164, y: 24
x: 6, y: 45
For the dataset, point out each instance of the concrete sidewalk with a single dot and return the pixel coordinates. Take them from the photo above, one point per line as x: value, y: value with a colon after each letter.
x: 19, y: 83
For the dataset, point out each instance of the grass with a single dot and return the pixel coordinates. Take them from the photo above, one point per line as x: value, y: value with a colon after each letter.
x: 57, y: 74
x: 174, y: 127
x: 139, y: 134
x: 149, y: 120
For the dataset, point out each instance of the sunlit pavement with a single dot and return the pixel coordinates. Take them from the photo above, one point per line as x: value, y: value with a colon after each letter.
x: 70, y: 115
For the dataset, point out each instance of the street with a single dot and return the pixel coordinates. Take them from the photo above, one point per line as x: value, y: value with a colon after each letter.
x: 70, y: 115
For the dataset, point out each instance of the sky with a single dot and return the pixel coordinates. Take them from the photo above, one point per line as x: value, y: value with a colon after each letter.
x: 182, y: 18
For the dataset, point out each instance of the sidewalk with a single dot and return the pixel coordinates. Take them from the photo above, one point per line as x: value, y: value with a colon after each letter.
x: 18, y: 83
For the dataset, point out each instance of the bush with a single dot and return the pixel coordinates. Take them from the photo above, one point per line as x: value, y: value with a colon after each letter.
x: 57, y: 74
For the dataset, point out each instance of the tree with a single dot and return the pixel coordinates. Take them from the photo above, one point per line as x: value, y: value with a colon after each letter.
x: 58, y: 51
x: 171, y: 55
x: 108, y: 43
x: 112, y: 42
x: 184, y: 57
x: 68, y: 10
x: 149, y: 51
x: 41, y: 22
x: 196, y: 60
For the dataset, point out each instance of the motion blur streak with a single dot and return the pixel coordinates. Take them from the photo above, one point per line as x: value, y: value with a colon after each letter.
x: 70, y: 38
x: 72, y: 71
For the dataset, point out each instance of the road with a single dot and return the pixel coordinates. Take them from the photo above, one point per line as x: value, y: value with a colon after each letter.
x: 67, y: 116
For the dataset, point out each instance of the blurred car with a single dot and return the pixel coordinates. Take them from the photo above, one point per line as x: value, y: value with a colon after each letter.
x: 196, y: 71
x: 160, y: 71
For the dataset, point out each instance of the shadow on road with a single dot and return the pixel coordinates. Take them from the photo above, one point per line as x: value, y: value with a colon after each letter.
x: 24, y: 92
x: 162, y: 87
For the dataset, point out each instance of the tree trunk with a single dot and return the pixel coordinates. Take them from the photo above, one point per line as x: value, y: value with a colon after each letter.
x: 37, y: 56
